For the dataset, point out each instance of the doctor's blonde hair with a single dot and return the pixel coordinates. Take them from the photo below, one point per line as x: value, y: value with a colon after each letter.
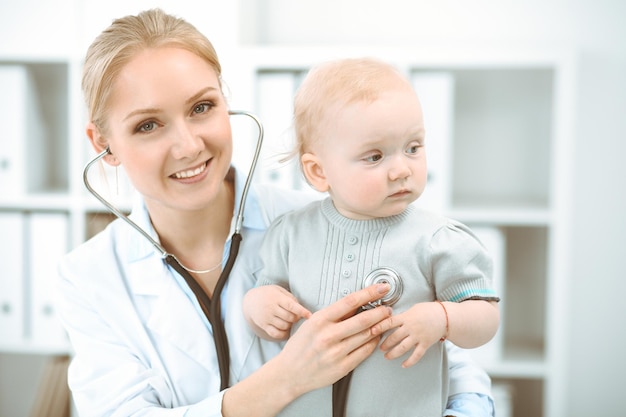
x: 123, y: 40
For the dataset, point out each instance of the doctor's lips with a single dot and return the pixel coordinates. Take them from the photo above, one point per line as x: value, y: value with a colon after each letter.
x: 189, y: 173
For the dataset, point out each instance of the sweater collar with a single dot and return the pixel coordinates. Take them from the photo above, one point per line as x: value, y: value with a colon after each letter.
x: 334, y: 217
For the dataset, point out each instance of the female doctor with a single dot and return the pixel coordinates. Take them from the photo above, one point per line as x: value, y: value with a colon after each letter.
x: 142, y: 344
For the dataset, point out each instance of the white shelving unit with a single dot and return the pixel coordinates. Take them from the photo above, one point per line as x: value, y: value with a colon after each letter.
x: 502, y: 166
x: 498, y: 151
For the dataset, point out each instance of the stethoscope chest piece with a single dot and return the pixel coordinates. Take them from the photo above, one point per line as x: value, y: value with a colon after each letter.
x: 384, y: 275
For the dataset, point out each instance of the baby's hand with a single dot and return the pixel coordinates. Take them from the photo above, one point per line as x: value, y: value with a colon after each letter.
x: 271, y: 311
x: 419, y: 327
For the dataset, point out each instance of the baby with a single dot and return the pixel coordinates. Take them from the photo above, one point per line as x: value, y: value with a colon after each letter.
x: 361, y: 138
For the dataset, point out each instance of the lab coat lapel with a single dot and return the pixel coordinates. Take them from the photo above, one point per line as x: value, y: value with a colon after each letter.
x: 168, y: 311
x: 165, y: 308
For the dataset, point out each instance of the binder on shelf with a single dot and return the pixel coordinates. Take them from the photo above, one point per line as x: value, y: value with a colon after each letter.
x: 53, y: 395
x: 17, y: 121
x: 11, y: 278
x: 275, y: 92
x: 435, y: 90
x: 503, y: 399
x: 48, y: 242
x: 97, y: 222
x: 494, y: 239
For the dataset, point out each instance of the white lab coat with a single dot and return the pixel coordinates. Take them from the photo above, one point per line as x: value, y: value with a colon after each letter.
x: 141, y: 345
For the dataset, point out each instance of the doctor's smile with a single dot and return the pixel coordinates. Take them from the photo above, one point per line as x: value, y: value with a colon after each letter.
x: 192, y: 174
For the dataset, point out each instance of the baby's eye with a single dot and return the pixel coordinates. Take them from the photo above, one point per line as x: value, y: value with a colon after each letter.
x: 413, y: 149
x: 374, y: 157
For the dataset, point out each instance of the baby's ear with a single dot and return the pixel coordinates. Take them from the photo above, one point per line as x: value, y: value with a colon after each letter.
x: 99, y: 143
x: 314, y: 172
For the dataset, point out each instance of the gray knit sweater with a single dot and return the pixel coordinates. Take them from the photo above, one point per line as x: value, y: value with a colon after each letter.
x: 320, y: 256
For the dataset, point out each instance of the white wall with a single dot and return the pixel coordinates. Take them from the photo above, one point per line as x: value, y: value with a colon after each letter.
x: 597, y: 30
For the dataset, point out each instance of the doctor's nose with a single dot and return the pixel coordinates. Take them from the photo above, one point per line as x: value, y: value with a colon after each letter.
x: 187, y: 143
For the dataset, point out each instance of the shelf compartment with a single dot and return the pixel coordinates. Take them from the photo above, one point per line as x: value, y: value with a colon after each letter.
x: 37, y: 240
x: 519, y: 274
x: 503, y: 216
x: 502, y: 141
x: 525, y: 396
x: 34, y: 115
x: 523, y: 303
x: 97, y: 221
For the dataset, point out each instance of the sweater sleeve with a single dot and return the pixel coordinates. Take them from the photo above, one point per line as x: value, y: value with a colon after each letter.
x: 274, y: 254
x: 461, y: 267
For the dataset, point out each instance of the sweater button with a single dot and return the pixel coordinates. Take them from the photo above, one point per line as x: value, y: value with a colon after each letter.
x: 353, y: 240
x: 346, y: 273
x: 350, y: 257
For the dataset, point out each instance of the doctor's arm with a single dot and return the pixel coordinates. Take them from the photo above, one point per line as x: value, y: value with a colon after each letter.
x: 469, y: 386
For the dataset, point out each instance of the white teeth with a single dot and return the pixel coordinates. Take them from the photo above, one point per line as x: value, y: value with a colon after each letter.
x: 190, y: 173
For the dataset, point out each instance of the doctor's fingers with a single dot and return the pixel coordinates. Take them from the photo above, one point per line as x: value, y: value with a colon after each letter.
x: 349, y: 305
x: 341, y: 345
x: 359, y: 354
x: 387, y: 324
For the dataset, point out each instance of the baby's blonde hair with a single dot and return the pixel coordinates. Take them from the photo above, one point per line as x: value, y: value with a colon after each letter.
x: 337, y: 83
x: 122, y: 41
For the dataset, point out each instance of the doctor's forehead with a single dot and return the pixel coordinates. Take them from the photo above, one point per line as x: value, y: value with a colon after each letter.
x: 158, y: 77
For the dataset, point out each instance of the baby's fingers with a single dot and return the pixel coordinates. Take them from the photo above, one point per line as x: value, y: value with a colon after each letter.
x: 415, y: 357
x: 393, y: 339
x: 297, y: 309
x: 277, y: 333
x: 401, y: 348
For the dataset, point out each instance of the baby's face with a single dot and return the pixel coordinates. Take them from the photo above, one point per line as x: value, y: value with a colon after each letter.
x: 372, y: 155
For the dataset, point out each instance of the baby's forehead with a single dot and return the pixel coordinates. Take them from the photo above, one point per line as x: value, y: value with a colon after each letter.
x: 368, y: 90
x: 351, y: 100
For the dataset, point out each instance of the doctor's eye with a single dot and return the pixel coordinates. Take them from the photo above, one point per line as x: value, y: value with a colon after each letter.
x: 146, y: 127
x: 202, y: 107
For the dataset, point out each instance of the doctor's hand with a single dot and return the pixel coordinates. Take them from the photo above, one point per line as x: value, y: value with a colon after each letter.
x: 334, y: 340
x: 331, y: 343
x: 418, y: 328
x: 271, y: 310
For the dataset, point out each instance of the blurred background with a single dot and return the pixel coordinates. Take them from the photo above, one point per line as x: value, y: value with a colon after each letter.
x: 570, y: 54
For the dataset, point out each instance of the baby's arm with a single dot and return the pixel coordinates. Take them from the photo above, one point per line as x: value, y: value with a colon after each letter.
x: 271, y: 310
x: 467, y: 324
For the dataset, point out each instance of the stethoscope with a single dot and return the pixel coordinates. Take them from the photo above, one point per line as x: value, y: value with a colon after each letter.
x: 210, y: 307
